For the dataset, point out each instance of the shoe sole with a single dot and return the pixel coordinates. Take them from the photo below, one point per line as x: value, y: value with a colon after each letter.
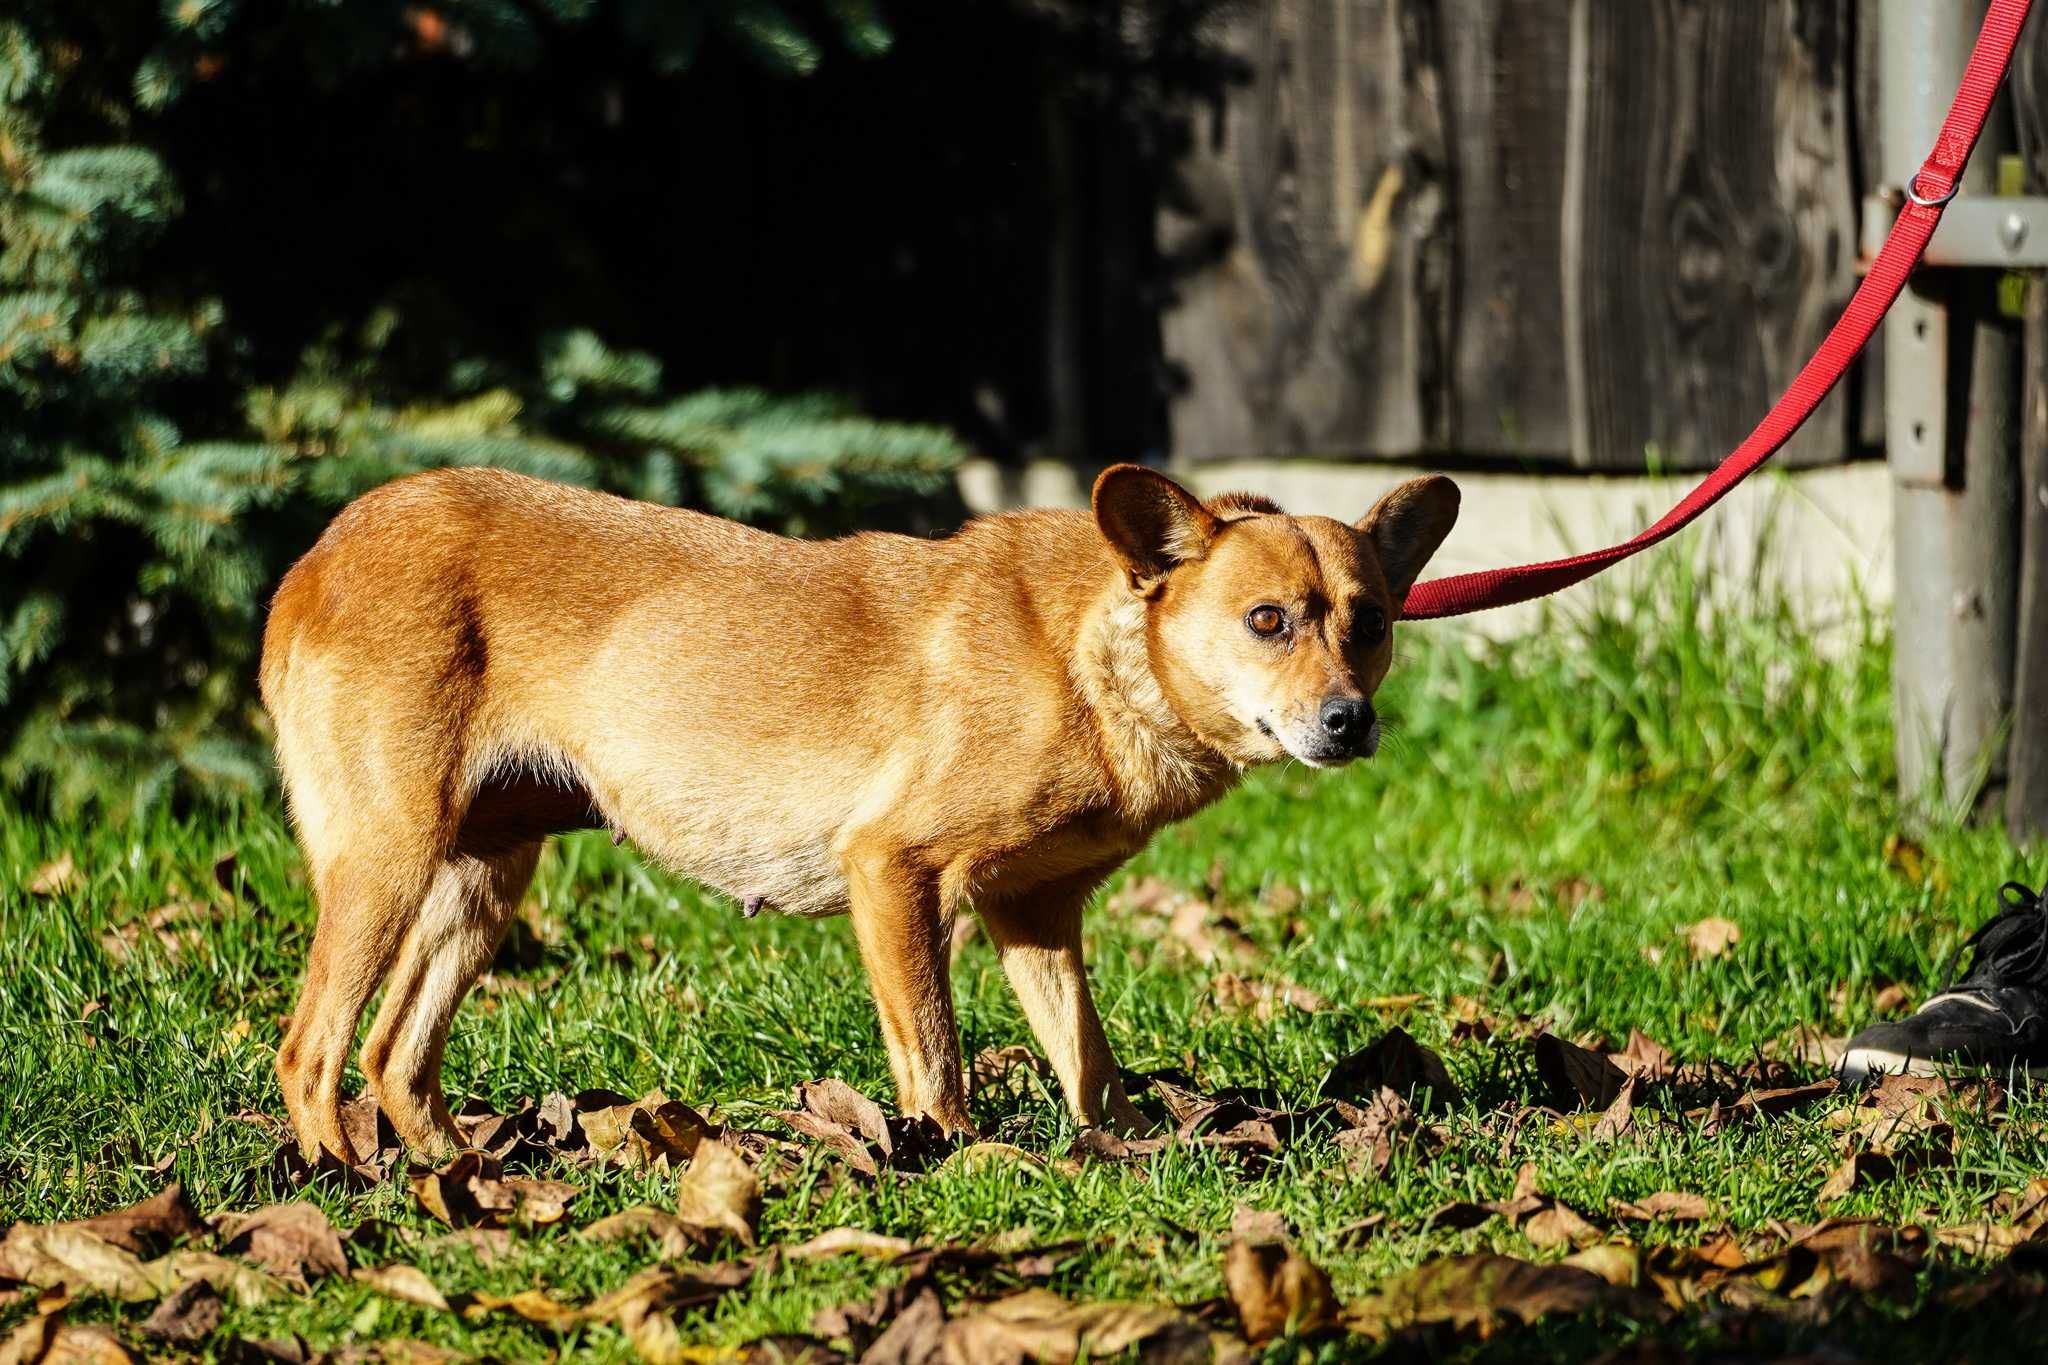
x: 1861, y: 1065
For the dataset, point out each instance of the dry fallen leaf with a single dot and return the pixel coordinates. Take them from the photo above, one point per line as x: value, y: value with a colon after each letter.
x: 537, y: 1307
x: 1575, y: 1076
x: 719, y: 1192
x: 1860, y: 1170
x: 472, y: 1190
x: 1479, y: 1293
x: 1619, y: 1118
x: 1258, y: 1226
x: 237, y: 1280
x: 1276, y: 1289
x: 1557, y: 1225
x: 645, y: 1307
x: 150, y: 1226
x: 845, y: 1241
x: 1665, y: 1205
x: 82, y: 1345
x: 407, y: 1283
x: 81, y: 1260
x: 292, y: 1241
x: 56, y: 877
x: 1618, y: 1263
x: 1644, y: 1057
x: 1396, y: 1062
x: 1039, y: 1325
x: 653, y: 1132
x: 187, y: 1316
x: 1712, y: 936
x: 659, y: 1226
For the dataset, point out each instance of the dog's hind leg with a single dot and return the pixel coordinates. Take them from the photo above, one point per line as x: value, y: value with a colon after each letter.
x: 366, y: 902
x: 458, y: 929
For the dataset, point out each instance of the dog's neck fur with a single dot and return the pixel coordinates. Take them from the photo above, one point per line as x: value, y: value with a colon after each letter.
x: 1159, y: 768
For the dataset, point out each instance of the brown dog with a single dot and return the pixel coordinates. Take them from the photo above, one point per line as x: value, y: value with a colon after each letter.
x: 470, y: 660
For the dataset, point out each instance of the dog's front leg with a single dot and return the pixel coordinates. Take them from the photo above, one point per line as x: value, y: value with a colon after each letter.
x: 1038, y: 938
x: 904, y: 946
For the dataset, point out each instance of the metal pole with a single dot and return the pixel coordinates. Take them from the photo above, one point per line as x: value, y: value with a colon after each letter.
x: 1951, y: 439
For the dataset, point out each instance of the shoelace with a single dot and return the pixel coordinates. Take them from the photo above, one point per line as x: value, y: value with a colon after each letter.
x: 2013, y: 944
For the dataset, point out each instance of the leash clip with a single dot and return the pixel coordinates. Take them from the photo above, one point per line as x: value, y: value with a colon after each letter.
x: 1913, y: 190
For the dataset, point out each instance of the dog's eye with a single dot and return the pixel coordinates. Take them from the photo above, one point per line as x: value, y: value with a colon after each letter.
x: 1265, y: 622
x: 1372, y: 625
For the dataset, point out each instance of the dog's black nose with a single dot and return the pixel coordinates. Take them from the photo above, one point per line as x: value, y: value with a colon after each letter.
x: 1346, y: 719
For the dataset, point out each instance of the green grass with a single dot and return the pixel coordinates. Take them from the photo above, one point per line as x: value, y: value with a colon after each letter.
x: 1683, y: 764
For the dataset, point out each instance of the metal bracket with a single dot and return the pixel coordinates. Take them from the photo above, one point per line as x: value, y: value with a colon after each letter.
x: 1992, y: 231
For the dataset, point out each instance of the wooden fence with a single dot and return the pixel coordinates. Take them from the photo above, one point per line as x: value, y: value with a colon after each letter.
x: 1581, y: 232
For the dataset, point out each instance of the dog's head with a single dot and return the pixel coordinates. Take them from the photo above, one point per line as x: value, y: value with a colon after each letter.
x: 1269, y: 634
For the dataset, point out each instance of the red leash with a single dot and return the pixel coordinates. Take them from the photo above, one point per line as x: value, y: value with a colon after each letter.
x: 1930, y: 191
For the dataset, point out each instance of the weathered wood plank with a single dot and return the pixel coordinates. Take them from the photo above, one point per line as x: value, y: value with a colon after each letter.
x: 2026, y: 793
x: 1506, y: 66
x: 1316, y: 315
x: 1709, y: 232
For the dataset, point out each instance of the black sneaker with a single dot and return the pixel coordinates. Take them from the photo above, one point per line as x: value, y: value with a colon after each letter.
x: 1995, y: 1019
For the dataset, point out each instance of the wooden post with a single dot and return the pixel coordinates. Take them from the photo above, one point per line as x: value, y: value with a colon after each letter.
x: 2026, y: 797
x: 1950, y: 440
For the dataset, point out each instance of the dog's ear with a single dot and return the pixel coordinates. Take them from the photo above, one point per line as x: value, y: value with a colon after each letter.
x: 1407, y: 525
x: 1150, y: 522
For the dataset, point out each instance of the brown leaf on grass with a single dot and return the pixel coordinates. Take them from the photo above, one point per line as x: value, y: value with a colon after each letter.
x: 370, y: 1133
x: 1257, y: 1226
x: 187, y: 1316
x: 292, y: 1241
x: 406, y: 1283
x: 1712, y: 937
x: 55, y: 877
x: 1618, y: 1120
x: 653, y: 1132
x: 1664, y: 1206
x: 1276, y: 1289
x: 719, y: 1192
x: 1481, y: 1294
x: 664, y: 1229
x: 243, y: 1283
x: 1644, y: 1057
x: 1985, y: 1239
x: 1396, y: 1062
x: 151, y: 1226
x: 1557, y: 1224
x: 74, y: 1344
x: 645, y: 1308
x: 472, y: 1190
x: 856, y: 1130
x: 534, y: 1305
x: 915, y: 1334
x: 1263, y: 1000
x: 1577, y: 1077
x: 860, y: 1323
x: 1384, y: 1125
x: 79, y: 1259
x: 848, y: 1241
x: 1038, y: 1325
x: 1781, y: 1100
x: 1618, y: 1263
